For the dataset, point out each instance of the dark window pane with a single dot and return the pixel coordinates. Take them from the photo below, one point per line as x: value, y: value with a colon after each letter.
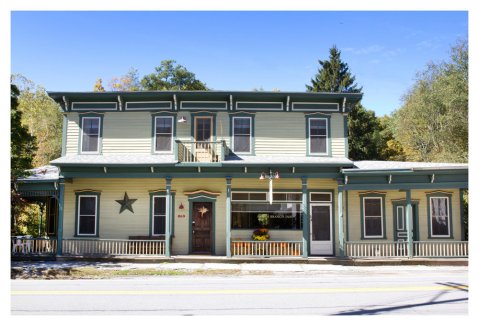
x: 373, y: 226
x: 203, y: 129
x: 89, y: 143
x: 159, y: 205
x: 320, y: 197
x: 372, y: 207
x: 91, y: 126
x: 257, y: 196
x: 87, y: 225
x: 159, y: 224
x: 317, y: 127
x: 285, y: 216
x: 164, y: 126
x: 241, y: 126
x: 279, y: 197
x: 240, y: 196
x: 163, y: 143
x: 87, y: 205
x: 440, y: 216
x: 318, y: 144
x: 321, y: 223
x: 241, y: 143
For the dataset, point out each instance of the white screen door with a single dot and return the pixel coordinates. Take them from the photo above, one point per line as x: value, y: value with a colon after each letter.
x: 321, y: 229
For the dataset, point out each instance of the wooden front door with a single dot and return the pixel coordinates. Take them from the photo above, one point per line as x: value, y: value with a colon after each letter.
x: 202, y: 223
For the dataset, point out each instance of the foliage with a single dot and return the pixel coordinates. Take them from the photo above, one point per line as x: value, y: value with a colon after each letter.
x: 99, y: 86
x: 465, y: 203
x: 128, y: 82
x: 171, y: 76
x: 43, y: 118
x: 260, y: 234
x: 432, y: 123
x: 263, y: 219
x: 390, y: 149
x: 27, y: 220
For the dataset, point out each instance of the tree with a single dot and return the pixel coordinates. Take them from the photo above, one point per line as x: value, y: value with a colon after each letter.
x: 333, y: 76
x: 171, y: 76
x: 43, y: 118
x: 432, y: 123
x: 98, y: 87
x: 128, y: 82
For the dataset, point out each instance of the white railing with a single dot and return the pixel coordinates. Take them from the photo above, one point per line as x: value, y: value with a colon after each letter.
x: 267, y: 248
x: 200, y: 151
x: 441, y: 248
x: 23, y: 245
x: 362, y: 249
x: 112, y: 247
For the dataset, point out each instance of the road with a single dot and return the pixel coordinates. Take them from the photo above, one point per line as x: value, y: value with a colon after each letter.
x: 354, y: 292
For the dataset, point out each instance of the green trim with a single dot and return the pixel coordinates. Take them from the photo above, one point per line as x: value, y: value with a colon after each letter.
x: 97, y: 220
x: 61, y: 198
x: 203, y: 115
x: 340, y: 221
x: 153, y: 132
x: 252, y: 134
x: 401, y: 186
x: 100, y: 141
x: 415, y: 207
x: 461, y: 207
x: 383, y: 220
x: 228, y: 217
x: 347, y: 214
x: 346, y: 135
x: 326, y: 117
x: 306, y: 217
x: 199, y: 198
x: 333, y: 216
x: 161, y: 194
x: 64, y: 135
x: 192, y: 175
x: 429, y: 224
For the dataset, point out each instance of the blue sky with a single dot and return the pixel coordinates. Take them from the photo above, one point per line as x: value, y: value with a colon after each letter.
x: 68, y: 51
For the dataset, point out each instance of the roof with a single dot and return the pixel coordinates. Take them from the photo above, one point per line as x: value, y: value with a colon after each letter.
x: 380, y: 166
x: 106, y: 160
x: 282, y: 159
x: 43, y: 173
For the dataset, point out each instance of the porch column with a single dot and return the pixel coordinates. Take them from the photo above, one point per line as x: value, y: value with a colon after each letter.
x: 228, y: 217
x: 168, y: 218
x: 340, y: 218
x: 61, y: 195
x: 409, y: 224
x: 304, y: 188
x: 461, y: 207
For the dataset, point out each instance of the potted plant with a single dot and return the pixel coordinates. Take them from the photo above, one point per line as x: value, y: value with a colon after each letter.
x: 260, y: 234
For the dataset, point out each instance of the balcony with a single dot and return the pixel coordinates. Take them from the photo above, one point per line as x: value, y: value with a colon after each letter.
x: 200, y: 151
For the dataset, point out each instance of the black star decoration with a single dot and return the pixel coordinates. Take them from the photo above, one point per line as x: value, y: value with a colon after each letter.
x: 126, y: 203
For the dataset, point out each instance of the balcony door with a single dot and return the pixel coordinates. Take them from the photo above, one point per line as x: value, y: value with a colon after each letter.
x: 203, y: 136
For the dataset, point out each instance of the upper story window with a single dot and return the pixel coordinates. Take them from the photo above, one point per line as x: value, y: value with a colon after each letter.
x: 163, y: 134
x: 318, y: 136
x: 242, y: 127
x: 90, y: 134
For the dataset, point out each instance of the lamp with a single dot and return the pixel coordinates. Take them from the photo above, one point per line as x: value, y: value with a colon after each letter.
x: 271, y: 176
x: 182, y: 119
x: 261, y: 177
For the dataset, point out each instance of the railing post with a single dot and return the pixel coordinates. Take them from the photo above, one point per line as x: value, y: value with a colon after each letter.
x: 228, y: 217
x: 168, y: 218
x: 304, y: 188
x: 340, y: 218
x: 409, y: 224
x: 61, y: 195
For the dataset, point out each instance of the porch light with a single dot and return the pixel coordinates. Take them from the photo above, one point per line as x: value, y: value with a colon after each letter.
x: 261, y: 177
x: 270, y: 176
x: 182, y: 119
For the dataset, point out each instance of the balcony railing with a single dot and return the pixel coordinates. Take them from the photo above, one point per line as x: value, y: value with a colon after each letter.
x: 29, y: 246
x: 426, y: 249
x: 267, y: 248
x: 200, y: 151
x: 111, y: 247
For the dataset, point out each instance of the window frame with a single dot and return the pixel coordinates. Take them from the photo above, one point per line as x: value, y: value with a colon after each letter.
x: 250, y: 134
x: 152, y: 231
x: 172, y: 118
x: 448, y: 219
x: 79, y: 196
x: 363, y: 199
x: 100, y: 133
x: 327, y: 118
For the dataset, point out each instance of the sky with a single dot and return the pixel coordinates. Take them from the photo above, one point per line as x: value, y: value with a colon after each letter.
x: 235, y: 50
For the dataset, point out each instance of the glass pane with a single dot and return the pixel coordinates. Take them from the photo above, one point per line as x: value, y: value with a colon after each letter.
x: 372, y: 207
x: 373, y: 226
x: 294, y: 197
x: 164, y: 126
x: 91, y: 126
x: 87, y: 205
x: 257, y: 196
x: 203, y: 129
x: 89, y: 143
x: 317, y: 127
x: 159, y: 224
x: 241, y: 143
x: 318, y: 144
x: 279, y: 197
x: 241, y: 126
x: 87, y: 225
x: 159, y: 206
x: 163, y: 143
x: 321, y: 223
x: 321, y: 197
x: 439, y: 212
x: 400, y: 218
x: 239, y: 196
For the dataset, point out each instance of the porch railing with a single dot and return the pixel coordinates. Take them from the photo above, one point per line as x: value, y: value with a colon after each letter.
x: 361, y: 249
x: 113, y: 247
x: 33, y: 246
x: 267, y: 248
x: 200, y: 151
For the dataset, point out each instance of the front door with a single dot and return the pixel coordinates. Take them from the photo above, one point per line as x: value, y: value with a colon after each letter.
x: 202, y: 220
x: 321, y: 229
x: 400, y: 232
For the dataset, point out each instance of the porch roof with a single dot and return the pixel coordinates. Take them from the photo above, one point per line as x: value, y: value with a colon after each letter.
x: 386, y: 167
x: 287, y: 160
x: 47, y: 173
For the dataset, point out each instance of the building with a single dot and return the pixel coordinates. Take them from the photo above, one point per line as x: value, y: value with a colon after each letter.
x: 196, y: 172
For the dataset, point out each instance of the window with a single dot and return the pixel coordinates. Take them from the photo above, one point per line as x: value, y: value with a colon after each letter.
x: 159, y: 215
x: 163, y: 134
x: 318, y: 136
x: 87, y: 215
x: 90, y: 139
x: 373, y: 217
x: 439, y: 214
x: 242, y: 134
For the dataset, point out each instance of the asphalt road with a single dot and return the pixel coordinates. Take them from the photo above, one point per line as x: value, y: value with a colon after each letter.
x: 411, y: 292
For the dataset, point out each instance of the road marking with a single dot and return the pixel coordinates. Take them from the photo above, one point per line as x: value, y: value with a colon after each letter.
x: 245, y: 291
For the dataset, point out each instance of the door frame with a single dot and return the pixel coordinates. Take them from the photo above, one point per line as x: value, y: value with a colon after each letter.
x: 415, y: 221
x: 209, y: 117
x: 331, y: 225
x: 201, y: 199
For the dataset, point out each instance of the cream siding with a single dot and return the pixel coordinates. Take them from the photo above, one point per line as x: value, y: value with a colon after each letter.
x: 73, y: 134
x: 337, y: 135
x: 127, y: 133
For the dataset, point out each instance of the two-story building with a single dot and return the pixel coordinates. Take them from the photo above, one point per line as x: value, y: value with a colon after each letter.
x: 197, y: 172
